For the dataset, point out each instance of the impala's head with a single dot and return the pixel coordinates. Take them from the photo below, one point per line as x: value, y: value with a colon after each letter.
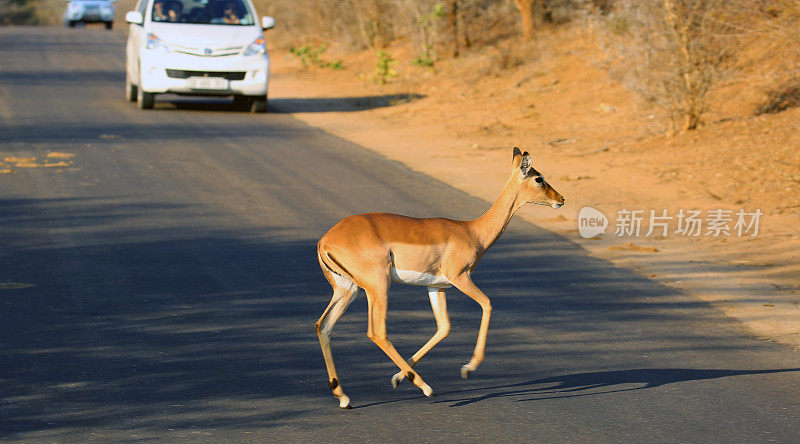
x: 533, y: 188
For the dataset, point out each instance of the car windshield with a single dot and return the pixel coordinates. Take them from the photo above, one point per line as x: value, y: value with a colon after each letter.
x: 207, y: 12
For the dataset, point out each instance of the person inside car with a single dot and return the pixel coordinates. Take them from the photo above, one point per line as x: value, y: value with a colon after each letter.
x: 159, y: 14
x: 231, y: 16
x: 175, y: 11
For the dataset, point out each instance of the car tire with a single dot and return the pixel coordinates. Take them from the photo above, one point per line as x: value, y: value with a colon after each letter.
x: 146, y: 100
x: 71, y: 24
x: 131, y: 91
x: 258, y: 104
x: 109, y: 25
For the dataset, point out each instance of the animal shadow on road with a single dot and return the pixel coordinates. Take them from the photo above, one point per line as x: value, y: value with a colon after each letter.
x: 584, y: 384
x: 148, y: 315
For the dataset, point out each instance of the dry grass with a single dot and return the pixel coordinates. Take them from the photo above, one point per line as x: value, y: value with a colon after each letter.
x: 676, y: 54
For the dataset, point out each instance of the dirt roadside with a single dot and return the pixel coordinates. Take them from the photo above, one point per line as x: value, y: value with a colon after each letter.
x: 598, y: 147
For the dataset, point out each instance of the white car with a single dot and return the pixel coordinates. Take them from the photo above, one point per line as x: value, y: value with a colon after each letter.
x: 89, y: 11
x: 197, y: 47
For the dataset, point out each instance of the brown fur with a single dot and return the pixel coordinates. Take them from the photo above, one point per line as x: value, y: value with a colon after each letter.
x: 363, y: 249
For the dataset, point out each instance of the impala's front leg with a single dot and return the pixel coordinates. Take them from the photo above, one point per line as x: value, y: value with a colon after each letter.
x: 439, y: 306
x: 376, y: 331
x: 465, y: 284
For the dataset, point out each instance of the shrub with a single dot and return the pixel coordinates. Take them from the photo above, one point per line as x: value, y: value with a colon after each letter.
x: 310, y: 56
x: 384, y: 69
x: 673, y: 52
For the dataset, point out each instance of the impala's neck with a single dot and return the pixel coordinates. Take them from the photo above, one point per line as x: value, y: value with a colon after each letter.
x: 491, y: 225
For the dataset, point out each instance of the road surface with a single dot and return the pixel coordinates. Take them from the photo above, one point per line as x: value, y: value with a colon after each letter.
x: 166, y: 286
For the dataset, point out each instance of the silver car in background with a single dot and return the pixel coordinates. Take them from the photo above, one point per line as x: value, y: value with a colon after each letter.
x: 89, y: 11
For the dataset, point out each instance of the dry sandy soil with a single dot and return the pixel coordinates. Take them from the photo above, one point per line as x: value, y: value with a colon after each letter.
x: 599, y: 146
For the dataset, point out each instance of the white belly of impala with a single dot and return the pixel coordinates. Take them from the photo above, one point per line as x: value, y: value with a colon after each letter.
x: 417, y: 278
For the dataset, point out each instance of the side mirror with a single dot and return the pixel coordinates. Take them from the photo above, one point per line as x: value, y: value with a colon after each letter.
x: 267, y: 22
x: 134, y: 17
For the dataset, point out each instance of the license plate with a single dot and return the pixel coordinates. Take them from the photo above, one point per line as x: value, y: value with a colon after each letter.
x: 216, y: 83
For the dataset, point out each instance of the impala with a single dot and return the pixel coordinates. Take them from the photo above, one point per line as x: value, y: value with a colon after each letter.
x: 370, y: 251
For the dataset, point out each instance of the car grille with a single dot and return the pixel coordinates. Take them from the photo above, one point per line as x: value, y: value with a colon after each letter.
x: 208, y: 52
x: 229, y: 75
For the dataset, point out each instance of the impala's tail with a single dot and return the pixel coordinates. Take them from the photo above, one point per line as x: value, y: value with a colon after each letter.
x: 335, y: 272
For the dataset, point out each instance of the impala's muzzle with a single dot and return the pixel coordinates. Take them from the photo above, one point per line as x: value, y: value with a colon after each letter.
x: 554, y: 198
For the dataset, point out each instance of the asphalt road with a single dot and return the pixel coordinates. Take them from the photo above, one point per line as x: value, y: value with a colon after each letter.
x: 176, y: 288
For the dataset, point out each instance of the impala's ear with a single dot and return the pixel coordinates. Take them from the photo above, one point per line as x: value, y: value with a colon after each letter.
x: 525, y: 164
x: 517, y: 159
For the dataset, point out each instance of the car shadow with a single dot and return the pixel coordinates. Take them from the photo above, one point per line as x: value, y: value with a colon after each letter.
x: 340, y: 104
x: 289, y: 105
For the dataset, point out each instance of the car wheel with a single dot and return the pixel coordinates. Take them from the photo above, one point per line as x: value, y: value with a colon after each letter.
x: 71, y: 24
x: 131, y: 91
x: 258, y: 104
x: 146, y: 100
x: 109, y: 25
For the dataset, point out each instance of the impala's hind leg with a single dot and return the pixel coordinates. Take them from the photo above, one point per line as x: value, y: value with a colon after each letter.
x: 439, y: 306
x: 344, y: 291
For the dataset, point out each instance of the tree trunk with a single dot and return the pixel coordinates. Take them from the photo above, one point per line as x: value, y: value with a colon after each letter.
x: 533, y: 16
x: 452, y: 22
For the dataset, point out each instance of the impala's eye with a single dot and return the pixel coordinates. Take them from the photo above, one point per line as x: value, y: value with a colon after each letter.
x: 539, y: 179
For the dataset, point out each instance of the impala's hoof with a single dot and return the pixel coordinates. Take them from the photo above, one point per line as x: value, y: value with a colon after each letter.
x: 396, y: 380
x: 465, y: 371
x: 344, y: 402
x: 428, y: 391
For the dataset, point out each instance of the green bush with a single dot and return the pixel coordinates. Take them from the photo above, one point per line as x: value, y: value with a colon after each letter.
x: 384, y: 69
x: 310, y: 56
x: 424, y: 61
x: 428, y: 25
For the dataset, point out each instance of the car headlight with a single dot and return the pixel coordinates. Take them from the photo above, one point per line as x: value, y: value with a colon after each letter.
x: 155, y: 43
x: 107, y: 10
x: 74, y: 8
x: 259, y: 46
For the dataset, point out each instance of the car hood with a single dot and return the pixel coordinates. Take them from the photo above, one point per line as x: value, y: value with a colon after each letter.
x: 215, y: 37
